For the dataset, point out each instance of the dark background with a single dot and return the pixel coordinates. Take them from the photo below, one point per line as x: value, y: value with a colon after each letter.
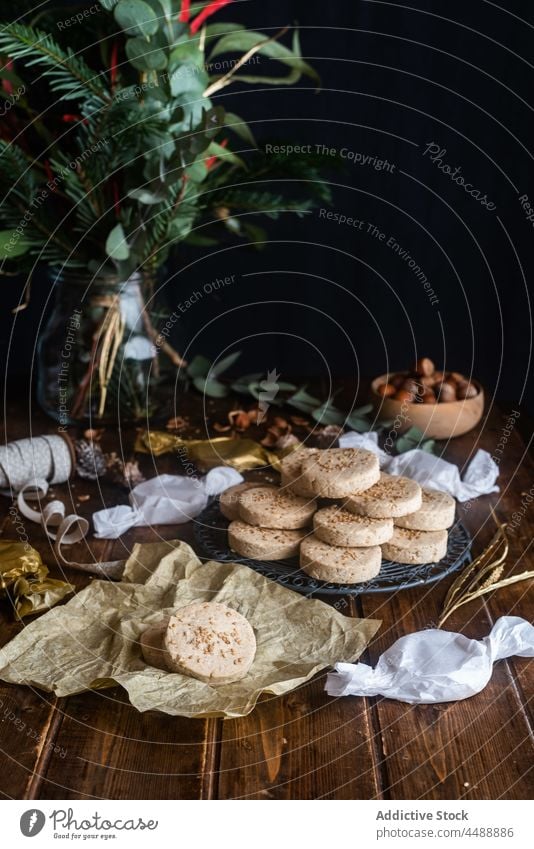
x: 323, y: 298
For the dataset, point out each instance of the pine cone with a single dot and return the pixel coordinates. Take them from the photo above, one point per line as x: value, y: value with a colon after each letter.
x: 90, y: 459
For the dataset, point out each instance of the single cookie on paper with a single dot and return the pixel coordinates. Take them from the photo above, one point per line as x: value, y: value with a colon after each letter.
x: 264, y: 543
x: 337, y: 526
x: 229, y: 499
x: 391, y: 496
x: 337, y: 565
x: 211, y: 642
x: 291, y: 471
x: 272, y: 507
x: 415, y: 547
x: 339, y: 472
x: 436, y: 512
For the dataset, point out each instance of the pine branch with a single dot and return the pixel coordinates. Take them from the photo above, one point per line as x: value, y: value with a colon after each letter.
x: 67, y: 72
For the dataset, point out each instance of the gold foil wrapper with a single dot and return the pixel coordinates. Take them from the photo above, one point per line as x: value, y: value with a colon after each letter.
x: 24, y: 579
x: 241, y: 454
x: 93, y: 641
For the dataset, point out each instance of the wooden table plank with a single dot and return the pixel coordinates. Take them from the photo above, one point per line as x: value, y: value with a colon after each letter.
x: 477, y: 747
x: 303, y: 746
x: 115, y: 752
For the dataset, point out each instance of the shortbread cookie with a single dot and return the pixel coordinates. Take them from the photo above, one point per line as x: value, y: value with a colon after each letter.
x: 337, y: 565
x: 264, y: 543
x: 152, y: 648
x: 392, y: 496
x: 336, y: 526
x: 291, y: 471
x: 435, y: 514
x: 339, y: 472
x: 229, y: 499
x: 407, y: 546
x: 271, y: 507
x: 211, y: 642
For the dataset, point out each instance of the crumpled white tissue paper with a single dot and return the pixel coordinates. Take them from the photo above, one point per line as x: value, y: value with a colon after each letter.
x: 434, y: 666
x: 479, y: 477
x: 164, y: 500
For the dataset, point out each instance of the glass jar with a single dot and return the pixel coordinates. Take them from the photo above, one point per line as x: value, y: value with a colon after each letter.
x: 98, y: 353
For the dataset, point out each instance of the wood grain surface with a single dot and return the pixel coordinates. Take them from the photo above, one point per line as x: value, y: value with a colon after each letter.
x: 304, y: 745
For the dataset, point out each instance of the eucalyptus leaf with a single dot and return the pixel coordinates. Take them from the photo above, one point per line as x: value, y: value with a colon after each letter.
x: 412, y: 438
x: 213, y: 388
x: 116, y: 244
x: 428, y: 445
x: 358, y: 424
x: 144, y: 56
x: 302, y: 401
x: 224, y: 364
x: 362, y: 411
x: 414, y: 434
x: 328, y: 414
x: 136, y: 17
x: 199, y: 366
x: 242, y: 384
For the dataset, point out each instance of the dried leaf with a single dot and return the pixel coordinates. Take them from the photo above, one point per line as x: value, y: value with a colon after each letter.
x: 220, y: 428
x: 177, y: 423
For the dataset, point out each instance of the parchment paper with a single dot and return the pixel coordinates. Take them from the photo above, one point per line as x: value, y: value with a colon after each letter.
x: 92, y: 641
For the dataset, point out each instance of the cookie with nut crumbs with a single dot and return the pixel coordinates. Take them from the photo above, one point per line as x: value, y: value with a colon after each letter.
x: 339, y: 472
x: 391, y: 496
x: 291, y: 471
x: 415, y: 547
x: 211, y: 642
x: 272, y: 507
x: 436, y: 512
x: 264, y: 543
x: 337, y: 565
x: 229, y: 499
x: 337, y: 526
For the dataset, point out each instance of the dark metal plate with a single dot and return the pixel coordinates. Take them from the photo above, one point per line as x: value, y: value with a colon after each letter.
x: 210, y: 533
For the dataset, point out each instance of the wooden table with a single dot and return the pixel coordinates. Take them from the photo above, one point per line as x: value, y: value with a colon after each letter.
x: 304, y: 745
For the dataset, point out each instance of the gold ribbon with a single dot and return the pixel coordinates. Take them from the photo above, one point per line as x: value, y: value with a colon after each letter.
x: 241, y: 454
x: 23, y: 579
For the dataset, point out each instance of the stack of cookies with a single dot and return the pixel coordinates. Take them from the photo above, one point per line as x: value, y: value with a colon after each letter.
x: 341, y: 513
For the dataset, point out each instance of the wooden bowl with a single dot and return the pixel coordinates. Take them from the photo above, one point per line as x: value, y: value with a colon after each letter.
x: 436, y: 421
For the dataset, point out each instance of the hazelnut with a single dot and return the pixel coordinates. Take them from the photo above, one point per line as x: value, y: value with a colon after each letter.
x: 428, y: 381
x: 397, y: 380
x: 439, y: 377
x: 456, y: 377
x: 386, y: 390
x: 404, y: 395
x: 424, y: 367
x: 412, y: 386
x: 447, y: 391
x: 466, y: 390
x: 427, y: 397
